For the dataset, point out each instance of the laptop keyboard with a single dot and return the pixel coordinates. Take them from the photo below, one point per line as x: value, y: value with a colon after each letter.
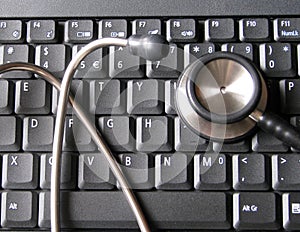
x: 180, y: 180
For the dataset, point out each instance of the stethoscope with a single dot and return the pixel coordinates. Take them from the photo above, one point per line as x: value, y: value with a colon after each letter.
x: 221, y: 97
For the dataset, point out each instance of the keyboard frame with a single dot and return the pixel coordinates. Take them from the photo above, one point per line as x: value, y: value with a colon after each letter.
x: 149, y: 8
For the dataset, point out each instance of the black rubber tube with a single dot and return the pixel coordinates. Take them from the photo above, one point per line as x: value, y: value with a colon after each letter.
x: 280, y: 128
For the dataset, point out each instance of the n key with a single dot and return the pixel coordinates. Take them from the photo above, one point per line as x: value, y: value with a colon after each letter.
x: 172, y: 171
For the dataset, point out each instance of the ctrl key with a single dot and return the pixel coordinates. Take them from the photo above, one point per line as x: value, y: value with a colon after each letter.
x: 255, y: 211
x: 291, y: 211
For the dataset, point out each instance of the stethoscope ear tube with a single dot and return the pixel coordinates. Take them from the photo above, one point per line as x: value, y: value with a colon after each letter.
x: 280, y: 128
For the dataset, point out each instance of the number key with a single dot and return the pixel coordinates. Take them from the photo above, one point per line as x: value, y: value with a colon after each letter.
x: 52, y: 57
x: 243, y: 49
x: 169, y: 67
x: 276, y: 59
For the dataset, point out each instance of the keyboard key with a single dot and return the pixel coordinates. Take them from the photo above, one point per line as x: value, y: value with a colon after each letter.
x: 290, y: 96
x: 181, y: 30
x: 79, y: 89
x: 241, y: 146
x: 219, y: 30
x: 170, y: 88
x: 255, y: 211
x: 76, y: 136
x: 52, y: 57
x: 194, y: 51
x: 265, y: 142
x: 254, y: 29
x: 41, y: 31
x: 68, y: 171
x: 291, y: 211
x: 38, y: 133
x: 10, y: 134
x: 19, y: 209
x: 172, y: 171
x: 243, y: 49
x: 123, y: 64
x: 138, y: 169
x: 168, y: 67
x: 15, y: 53
x: 287, y: 29
x: 146, y: 26
x: 107, y: 97
x: 19, y: 171
x: 32, y: 97
x: 211, y: 172
x: 6, y: 97
x: 94, y: 172
x: 250, y: 172
x: 145, y: 97
x: 276, y: 59
x: 118, y: 132
x: 186, y: 140
x: 89, y: 210
x: 286, y: 172
x: 114, y: 28
x: 153, y: 134
x: 11, y: 31
x: 79, y: 31
x: 93, y: 66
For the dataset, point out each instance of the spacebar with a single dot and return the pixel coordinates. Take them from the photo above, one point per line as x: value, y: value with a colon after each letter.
x: 164, y: 210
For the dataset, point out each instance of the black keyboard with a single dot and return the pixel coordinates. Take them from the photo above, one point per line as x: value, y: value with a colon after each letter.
x: 179, y: 179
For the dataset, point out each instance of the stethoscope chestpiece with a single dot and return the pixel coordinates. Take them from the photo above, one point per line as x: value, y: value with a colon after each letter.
x: 217, y: 93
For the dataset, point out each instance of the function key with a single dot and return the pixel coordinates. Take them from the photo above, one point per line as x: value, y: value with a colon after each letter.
x: 219, y: 30
x: 181, y: 30
x: 146, y: 26
x: 254, y: 29
x: 41, y: 31
x: 10, y: 31
x: 287, y: 29
x: 114, y: 28
x: 79, y: 31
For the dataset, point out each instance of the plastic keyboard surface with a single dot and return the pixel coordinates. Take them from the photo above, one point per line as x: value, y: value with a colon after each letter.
x: 181, y: 180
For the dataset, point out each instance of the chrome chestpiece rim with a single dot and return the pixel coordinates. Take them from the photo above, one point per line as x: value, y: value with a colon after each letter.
x: 217, y: 94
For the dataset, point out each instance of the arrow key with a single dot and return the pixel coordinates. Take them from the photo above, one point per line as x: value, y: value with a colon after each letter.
x: 286, y: 172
